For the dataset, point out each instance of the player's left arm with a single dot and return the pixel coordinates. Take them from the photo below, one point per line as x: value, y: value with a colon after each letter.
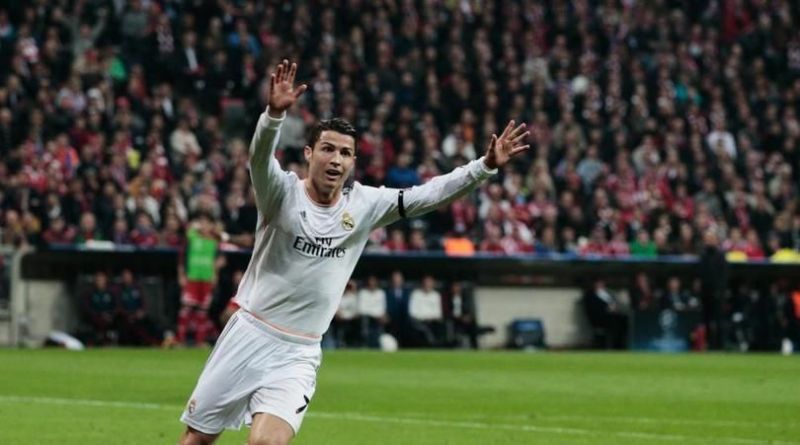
x: 444, y: 189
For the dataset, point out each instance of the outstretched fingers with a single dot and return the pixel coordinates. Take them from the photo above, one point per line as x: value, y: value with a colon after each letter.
x: 286, y: 72
x: 508, y: 129
x: 517, y: 131
x: 283, y: 71
x: 520, y: 137
x: 518, y: 150
x: 300, y: 90
x: 279, y: 73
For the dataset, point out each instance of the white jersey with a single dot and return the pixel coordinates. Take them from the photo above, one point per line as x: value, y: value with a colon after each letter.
x: 304, y: 252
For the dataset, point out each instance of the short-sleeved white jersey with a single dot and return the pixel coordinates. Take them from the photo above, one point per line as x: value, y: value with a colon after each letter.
x: 304, y: 253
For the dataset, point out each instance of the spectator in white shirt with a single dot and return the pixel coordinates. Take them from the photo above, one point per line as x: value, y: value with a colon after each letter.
x: 346, y: 327
x: 425, y: 309
x: 372, y: 308
x: 721, y: 140
x: 184, y: 143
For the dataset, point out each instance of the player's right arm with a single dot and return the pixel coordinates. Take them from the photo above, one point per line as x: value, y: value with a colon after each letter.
x: 393, y: 204
x: 265, y: 171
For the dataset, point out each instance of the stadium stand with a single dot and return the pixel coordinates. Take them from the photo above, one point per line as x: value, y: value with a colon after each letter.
x: 653, y: 123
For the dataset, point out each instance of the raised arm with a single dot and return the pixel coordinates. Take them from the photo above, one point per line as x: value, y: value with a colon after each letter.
x: 269, y: 180
x: 394, y: 204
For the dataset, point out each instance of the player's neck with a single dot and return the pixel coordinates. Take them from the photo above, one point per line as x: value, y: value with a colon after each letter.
x: 319, y: 197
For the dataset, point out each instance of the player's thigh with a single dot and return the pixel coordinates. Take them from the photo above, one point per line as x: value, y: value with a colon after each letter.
x: 289, y: 392
x: 221, y: 396
x: 268, y: 429
x: 193, y: 437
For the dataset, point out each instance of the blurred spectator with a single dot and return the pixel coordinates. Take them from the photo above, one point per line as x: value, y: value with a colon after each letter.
x: 547, y: 242
x: 144, y: 234
x: 417, y: 241
x: 618, y: 246
x: 372, y: 310
x: 293, y: 131
x: 458, y: 244
x: 88, y: 230
x: 643, y: 246
x: 402, y: 174
x: 607, y: 317
x: 676, y: 297
x: 100, y: 306
x: 397, y: 241
x: 460, y: 311
x: 425, y: 310
x: 135, y: 326
x: 642, y: 294
x: 597, y: 244
x: 13, y: 231
x: 590, y: 167
x: 171, y: 235
x: 397, y: 298
x: 346, y: 325
x: 184, y: 143
x: 492, y: 243
x: 58, y: 232
x: 120, y: 234
x: 713, y: 278
x: 752, y: 246
x: 708, y: 198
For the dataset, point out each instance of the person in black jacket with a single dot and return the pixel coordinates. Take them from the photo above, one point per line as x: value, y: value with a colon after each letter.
x: 397, y: 296
x: 713, y: 275
x: 459, y: 309
x: 607, y: 315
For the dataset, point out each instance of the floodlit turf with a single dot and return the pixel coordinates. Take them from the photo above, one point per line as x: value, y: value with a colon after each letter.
x: 135, y: 397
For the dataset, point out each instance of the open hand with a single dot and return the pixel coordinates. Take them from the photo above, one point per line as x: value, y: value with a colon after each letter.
x: 282, y: 92
x: 509, y: 144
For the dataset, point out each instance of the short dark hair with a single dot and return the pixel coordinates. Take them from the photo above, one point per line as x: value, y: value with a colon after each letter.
x: 336, y: 124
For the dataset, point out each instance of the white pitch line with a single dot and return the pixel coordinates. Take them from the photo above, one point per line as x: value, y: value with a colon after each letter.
x: 86, y: 402
x: 674, y: 421
x: 448, y: 423
x: 358, y: 417
x: 621, y: 419
x: 541, y: 429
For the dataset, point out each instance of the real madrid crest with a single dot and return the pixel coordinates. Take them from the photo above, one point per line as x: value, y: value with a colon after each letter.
x: 347, y: 221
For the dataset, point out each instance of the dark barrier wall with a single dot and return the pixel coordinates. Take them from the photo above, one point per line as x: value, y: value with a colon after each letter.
x: 484, y: 270
x: 649, y: 330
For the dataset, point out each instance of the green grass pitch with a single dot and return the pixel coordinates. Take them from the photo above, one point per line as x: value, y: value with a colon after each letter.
x: 118, y: 396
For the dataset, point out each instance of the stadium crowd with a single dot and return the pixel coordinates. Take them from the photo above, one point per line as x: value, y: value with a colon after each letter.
x: 652, y: 122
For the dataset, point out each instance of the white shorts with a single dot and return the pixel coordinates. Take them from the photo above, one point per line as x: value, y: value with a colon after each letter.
x: 253, y: 369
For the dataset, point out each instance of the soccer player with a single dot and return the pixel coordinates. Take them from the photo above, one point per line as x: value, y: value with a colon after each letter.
x: 309, y: 236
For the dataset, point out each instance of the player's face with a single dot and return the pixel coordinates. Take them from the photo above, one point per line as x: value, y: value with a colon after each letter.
x: 331, y: 161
